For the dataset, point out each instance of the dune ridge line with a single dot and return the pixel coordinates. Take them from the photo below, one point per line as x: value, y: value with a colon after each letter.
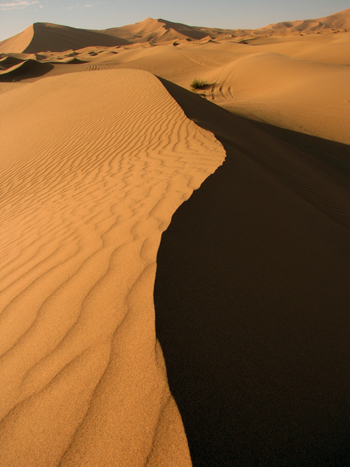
x: 94, y: 166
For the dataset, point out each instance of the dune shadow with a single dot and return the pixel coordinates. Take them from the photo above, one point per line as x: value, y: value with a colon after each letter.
x: 252, y: 298
x: 25, y: 70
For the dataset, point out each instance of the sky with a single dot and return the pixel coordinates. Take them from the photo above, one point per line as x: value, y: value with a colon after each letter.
x: 17, y: 15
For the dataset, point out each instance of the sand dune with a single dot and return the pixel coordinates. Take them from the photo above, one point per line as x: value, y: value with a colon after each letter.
x: 86, y: 193
x: 42, y: 37
x: 253, y: 283
x: 96, y: 157
x: 9, y: 61
x: 325, y: 48
x: 306, y: 96
x: 17, y: 43
x: 25, y: 68
x: 329, y: 24
x: 159, y: 30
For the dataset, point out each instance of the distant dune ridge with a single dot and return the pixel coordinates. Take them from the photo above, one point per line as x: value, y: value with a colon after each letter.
x: 96, y: 157
x: 44, y: 37
x: 301, y: 83
x: 340, y: 20
x: 158, y: 31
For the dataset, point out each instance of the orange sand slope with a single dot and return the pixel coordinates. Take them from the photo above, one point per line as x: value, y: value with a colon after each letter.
x: 303, y: 95
x: 332, y: 23
x: 93, y: 167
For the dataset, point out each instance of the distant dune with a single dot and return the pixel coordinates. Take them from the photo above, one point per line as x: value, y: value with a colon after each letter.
x: 155, y: 30
x: 337, y: 22
x: 295, y: 82
x: 29, y: 68
x: 44, y: 37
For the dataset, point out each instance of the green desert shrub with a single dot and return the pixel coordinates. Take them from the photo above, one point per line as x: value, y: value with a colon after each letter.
x: 198, y: 84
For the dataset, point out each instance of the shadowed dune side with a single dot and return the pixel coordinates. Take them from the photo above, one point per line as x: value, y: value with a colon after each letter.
x: 57, y: 38
x: 252, y: 298
x: 93, y: 166
x: 9, y: 61
x: 43, y: 37
x: 157, y: 31
x: 191, y: 32
x: 24, y: 70
x: 333, y: 155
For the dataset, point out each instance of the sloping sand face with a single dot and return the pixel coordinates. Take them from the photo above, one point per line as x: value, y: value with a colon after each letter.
x: 295, y: 78
x: 303, y: 95
x: 93, y: 167
x: 19, y: 42
x: 252, y: 298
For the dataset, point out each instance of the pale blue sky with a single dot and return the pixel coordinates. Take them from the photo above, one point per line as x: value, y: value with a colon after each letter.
x: 16, y: 15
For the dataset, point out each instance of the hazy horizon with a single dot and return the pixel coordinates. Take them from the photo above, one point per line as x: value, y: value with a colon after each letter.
x: 17, y: 15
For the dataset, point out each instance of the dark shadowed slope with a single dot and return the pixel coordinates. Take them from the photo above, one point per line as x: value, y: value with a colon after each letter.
x: 44, y: 37
x: 57, y: 38
x: 24, y: 69
x: 252, y: 299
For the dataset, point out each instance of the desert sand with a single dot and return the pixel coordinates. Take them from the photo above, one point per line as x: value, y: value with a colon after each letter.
x: 296, y: 80
x: 104, y: 148
x: 85, y: 197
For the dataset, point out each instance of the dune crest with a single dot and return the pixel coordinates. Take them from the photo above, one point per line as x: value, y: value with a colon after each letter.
x: 44, y: 37
x: 93, y: 167
x: 298, y: 83
x: 19, y: 42
x: 328, y: 24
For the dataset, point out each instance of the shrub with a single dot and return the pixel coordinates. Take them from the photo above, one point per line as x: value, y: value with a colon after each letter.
x: 198, y: 84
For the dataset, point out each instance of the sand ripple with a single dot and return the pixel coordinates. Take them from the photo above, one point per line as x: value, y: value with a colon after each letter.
x: 94, y: 166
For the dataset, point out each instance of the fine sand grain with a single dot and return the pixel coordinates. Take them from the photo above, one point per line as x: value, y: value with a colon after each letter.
x: 93, y: 166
